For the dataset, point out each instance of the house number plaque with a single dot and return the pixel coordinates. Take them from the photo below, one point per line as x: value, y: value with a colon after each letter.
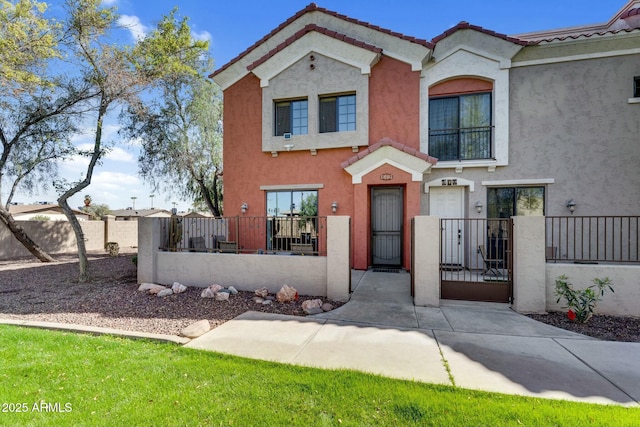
x: 446, y: 182
x: 386, y: 177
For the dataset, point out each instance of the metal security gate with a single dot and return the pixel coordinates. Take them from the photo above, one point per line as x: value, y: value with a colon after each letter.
x: 485, y: 246
x: 386, y: 226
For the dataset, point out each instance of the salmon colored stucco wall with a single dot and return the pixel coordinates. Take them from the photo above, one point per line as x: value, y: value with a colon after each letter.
x: 394, y: 103
x: 393, y: 112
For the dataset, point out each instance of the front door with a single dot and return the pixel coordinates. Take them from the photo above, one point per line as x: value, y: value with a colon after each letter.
x: 386, y: 226
x: 448, y: 202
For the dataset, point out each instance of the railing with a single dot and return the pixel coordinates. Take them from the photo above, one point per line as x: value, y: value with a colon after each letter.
x: 461, y: 143
x: 243, y: 234
x: 593, y: 239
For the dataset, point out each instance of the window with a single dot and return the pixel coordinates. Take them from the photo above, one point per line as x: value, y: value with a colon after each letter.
x: 291, y: 117
x: 460, y: 127
x: 337, y: 113
x: 636, y: 87
x: 288, y: 221
x: 515, y: 201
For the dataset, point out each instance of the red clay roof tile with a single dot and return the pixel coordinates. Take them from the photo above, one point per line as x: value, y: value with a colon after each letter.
x: 464, y: 25
x: 388, y: 142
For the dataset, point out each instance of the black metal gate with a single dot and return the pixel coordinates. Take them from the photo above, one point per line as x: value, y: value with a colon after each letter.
x: 476, y: 259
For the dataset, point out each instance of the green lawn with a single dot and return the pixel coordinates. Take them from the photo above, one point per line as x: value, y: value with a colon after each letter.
x: 63, y: 379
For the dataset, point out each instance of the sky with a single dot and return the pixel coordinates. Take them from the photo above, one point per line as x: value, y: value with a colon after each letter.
x: 233, y: 26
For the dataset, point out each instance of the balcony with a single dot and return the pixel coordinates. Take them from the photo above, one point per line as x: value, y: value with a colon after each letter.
x: 471, y: 143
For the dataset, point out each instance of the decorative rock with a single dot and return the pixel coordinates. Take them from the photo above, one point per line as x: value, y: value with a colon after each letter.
x: 312, y: 303
x: 216, y: 288
x: 146, y: 286
x: 258, y: 300
x: 326, y: 307
x: 224, y: 291
x: 271, y: 297
x: 157, y: 289
x: 313, y: 310
x: 267, y: 302
x: 165, y: 292
x: 262, y: 292
x: 232, y: 290
x: 286, y: 294
x: 178, y: 288
x: 194, y: 330
x: 222, y: 296
x: 208, y: 293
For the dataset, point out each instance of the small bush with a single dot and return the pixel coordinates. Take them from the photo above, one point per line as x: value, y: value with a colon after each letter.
x: 134, y: 260
x: 581, y: 304
x: 112, y: 248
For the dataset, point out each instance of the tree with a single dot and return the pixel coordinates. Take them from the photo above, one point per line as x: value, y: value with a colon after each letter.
x: 181, y: 131
x: 118, y: 75
x: 96, y: 211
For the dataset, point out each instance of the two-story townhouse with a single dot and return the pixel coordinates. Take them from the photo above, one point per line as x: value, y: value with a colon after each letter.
x: 380, y: 126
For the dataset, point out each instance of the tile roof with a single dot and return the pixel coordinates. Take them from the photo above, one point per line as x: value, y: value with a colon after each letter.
x: 307, y: 29
x: 311, y: 8
x: 464, y: 25
x: 583, y: 35
x: 630, y: 12
x: 384, y: 142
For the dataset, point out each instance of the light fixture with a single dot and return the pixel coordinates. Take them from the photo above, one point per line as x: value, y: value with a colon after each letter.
x: 244, y: 207
x: 288, y: 146
x: 479, y: 206
x: 571, y: 205
x: 334, y: 207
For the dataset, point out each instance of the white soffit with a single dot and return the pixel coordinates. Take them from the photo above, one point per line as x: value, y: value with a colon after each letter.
x: 414, y: 166
x: 322, y: 44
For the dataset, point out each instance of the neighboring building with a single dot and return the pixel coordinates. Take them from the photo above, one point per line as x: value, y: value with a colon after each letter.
x: 49, y: 210
x: 471, y: 124
x: 134, y: 214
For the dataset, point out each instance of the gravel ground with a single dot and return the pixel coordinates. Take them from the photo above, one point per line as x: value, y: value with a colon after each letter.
x: 31, y: 290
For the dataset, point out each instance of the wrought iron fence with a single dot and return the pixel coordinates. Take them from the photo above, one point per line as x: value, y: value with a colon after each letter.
x: 293, y: 235
x: 461, y: 143
x: 593, y: 239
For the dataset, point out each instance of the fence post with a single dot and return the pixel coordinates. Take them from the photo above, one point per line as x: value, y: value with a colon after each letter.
x: 529, y: 264
x: 109, y: 229
x: 338, y: 268
x: 426, y: 268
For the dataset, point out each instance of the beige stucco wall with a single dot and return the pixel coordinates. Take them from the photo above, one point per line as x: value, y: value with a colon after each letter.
x: 123, y: 232
x: 572, y: 130
x: 54, y: 237
x: 625, y: 300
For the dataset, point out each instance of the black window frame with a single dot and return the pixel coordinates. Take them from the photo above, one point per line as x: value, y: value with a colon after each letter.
x: 514, y: 199
x: 284, y: 123
x: 330, y: 112
x: 447, y: 144
x: 636, y: 87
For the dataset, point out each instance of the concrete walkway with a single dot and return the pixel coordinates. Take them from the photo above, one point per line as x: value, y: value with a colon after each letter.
x: 472, y: 345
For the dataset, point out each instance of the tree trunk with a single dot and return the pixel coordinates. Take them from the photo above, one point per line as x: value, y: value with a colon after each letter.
x: 19, y: 233
x: 206, y: 195
x: 82, y: 248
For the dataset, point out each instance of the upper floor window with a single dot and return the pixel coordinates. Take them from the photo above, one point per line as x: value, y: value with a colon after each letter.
x: 337, y: 113
x: 460, y: 127
x: 291, y: 117
x: 636, y: 87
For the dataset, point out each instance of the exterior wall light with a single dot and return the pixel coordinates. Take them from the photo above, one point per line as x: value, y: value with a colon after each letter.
x: 244, y: 207
x: 571, y: 205
x: 479, y: 206
x: 334, y: 207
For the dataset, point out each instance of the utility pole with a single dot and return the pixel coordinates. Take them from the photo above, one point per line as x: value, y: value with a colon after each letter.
x: 152, y: 196
x: 133, y: 201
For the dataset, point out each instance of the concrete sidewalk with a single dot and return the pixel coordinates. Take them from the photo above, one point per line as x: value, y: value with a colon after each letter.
x: 485, y: 346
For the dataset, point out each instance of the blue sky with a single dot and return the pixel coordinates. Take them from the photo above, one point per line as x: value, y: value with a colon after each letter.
x: 232, y: 26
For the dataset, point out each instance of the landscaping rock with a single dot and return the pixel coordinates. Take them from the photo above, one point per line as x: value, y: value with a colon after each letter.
x: 216, y: 288
x: 224, y: 291
x: 178, y: 288
x: 313, y: 310
x: 194, y: 330
x: 262, y: 292
x: 165, y: 292
x: 271, y: 297
x: 222, y: 296
x: 258, y: 300
x: 151, y: 288
x: 232, y: 290
x: 208, y: 292
x: 267, y: 302
x: 157, y: 289
x: 286, y: 294
x: 312, y: 303
x: 327, y: 307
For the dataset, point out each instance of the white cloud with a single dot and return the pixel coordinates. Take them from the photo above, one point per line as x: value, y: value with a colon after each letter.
x: 109, y: 2
x: 133, y: 24
x: 118, y: 154
x: 203, y: 35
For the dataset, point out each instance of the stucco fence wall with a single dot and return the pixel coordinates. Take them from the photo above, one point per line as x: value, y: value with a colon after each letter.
x: 533, y: 277
x: 57, y: 237
x: 311, y: 275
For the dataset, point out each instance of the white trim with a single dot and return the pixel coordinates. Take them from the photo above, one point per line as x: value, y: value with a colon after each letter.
x: 460, y: 182
x: 357, y: 178
x: 292, y: 187
x: 633, y: 100
x: 414, y: 166
x: 580, y: 57
x: 519, y: 182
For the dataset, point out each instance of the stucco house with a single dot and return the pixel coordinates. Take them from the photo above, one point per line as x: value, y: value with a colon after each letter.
x: 382, y: 126
x: 49, y: 210
x: 134, y: 214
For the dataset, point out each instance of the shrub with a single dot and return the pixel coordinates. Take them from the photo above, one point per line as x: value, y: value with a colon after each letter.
x: 581, y: 303
x: 112, y: 248
x: 134, y: 260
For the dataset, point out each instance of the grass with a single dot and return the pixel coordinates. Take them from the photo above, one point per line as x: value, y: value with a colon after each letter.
x: 109, y: 381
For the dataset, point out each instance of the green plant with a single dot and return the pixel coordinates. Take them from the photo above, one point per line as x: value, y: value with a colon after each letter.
x: 134, y: 260
x: 40, y: 218
x: 113, y: 248
x: 581, y: 303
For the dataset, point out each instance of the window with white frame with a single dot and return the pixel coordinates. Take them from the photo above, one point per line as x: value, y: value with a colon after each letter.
x: 337, y: 113
x: 460, y: 127
x: 291, y: 117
